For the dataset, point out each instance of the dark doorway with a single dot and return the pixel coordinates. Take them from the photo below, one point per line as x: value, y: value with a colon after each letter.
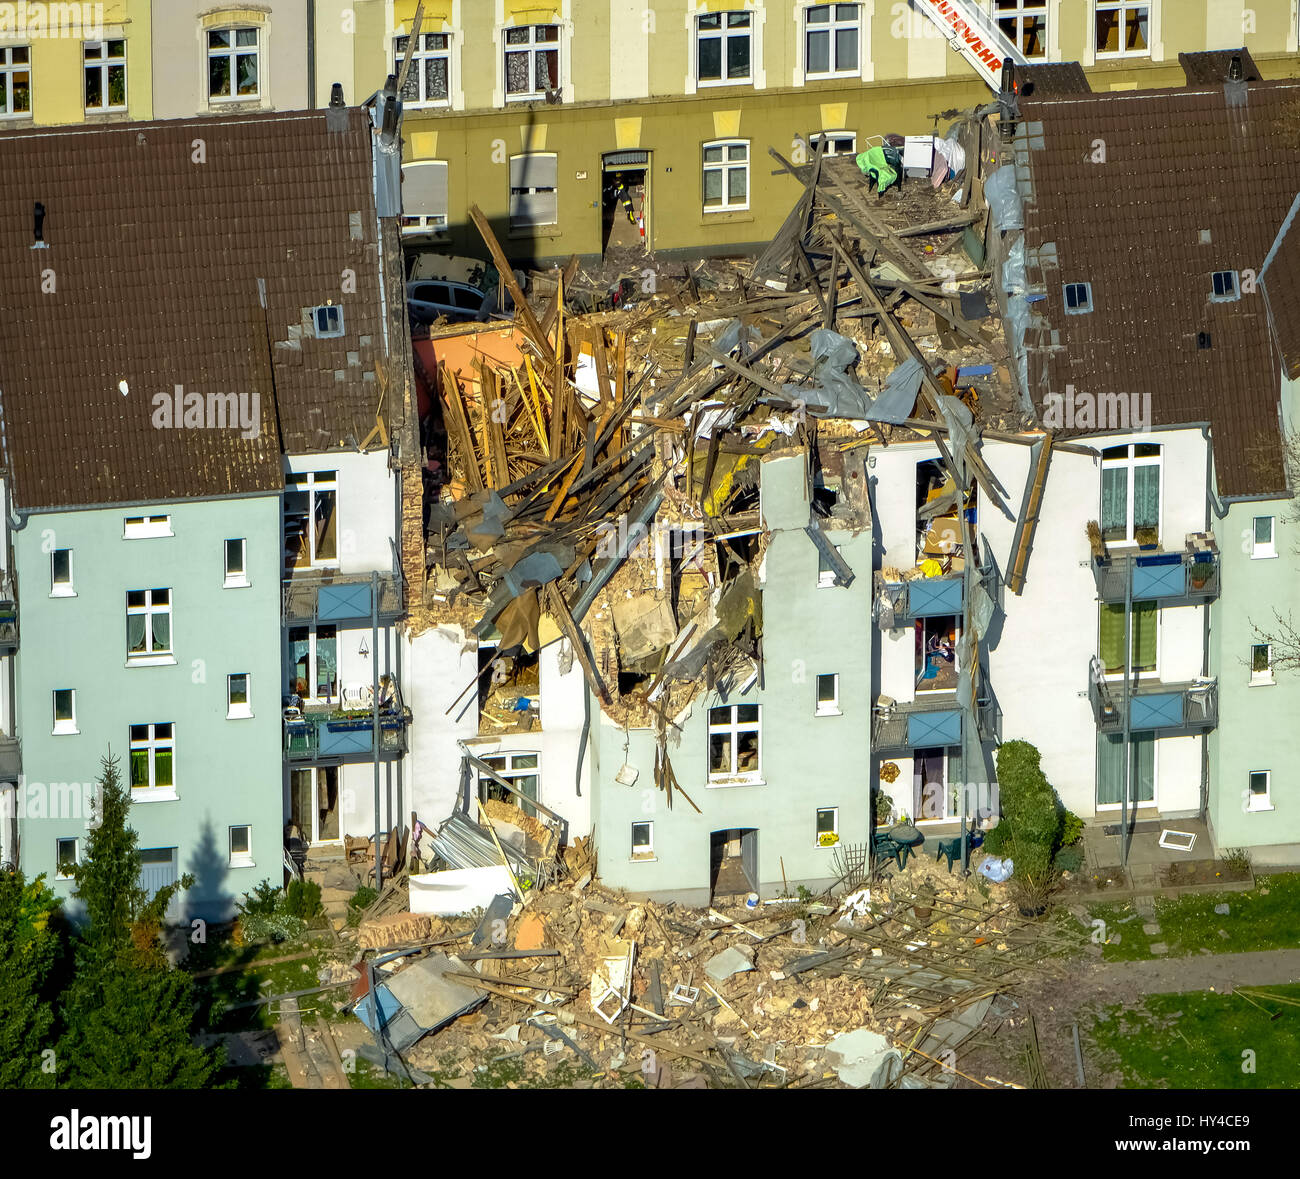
x: 625, y: 205
x: 733, y: 861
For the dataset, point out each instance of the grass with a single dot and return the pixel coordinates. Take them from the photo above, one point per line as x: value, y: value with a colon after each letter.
x: 1262, y: 919
x: 1204, y: 1040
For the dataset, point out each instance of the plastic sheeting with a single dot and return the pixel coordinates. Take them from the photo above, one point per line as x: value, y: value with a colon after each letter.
x: 1004, y: 200
x: 836, y: 388
x: 895, y: 402
x: 1014, y: 281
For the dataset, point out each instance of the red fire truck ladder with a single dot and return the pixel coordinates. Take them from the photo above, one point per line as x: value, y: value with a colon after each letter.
x: 975, y: 35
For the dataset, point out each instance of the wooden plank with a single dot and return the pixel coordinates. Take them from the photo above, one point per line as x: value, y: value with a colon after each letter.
x: 522, y: 308
x: 564, y: 282
x: 493, y: 412
x: 559, y: 609
x: 1029, y: 519
x: 459, y: 428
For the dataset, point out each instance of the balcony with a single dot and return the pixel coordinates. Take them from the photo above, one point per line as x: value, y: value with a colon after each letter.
x: 899, y: 729
x: 1168, y: 710
x: 8, y: 616
x: 11, y: 758
x: 925, y: 597
x: 334, y: 737
x: 1171, y: 579
x: 340, y: 598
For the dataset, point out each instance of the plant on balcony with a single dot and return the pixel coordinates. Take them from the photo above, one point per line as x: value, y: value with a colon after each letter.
x: 1201, y: 571
x: 1096, y: 541
x: 1147, y: 538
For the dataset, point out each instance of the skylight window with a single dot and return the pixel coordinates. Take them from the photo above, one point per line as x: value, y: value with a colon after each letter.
x: 1078, y: 298
x: 329, y: 321
x: 1226, y: 288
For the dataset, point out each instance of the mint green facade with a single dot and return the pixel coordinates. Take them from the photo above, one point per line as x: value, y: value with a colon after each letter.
x: 226, y: 772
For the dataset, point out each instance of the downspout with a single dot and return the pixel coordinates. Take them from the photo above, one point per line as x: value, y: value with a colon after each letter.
x: 1124, y: 834
x: 1205, y: 625
x: 374, y: 718
x: 311, y: 55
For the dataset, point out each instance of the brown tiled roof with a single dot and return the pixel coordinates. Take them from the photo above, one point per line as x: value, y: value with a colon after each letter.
x: 1282, y: 286
x: 1176, y: 162
x: 1211, y: 66
x: 158, y: 234
x: 1052, y: 77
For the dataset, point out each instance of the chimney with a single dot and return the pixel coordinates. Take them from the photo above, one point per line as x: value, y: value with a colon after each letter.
x: 38, y: 227
x: 336, y: 96
x: 1234, y: 68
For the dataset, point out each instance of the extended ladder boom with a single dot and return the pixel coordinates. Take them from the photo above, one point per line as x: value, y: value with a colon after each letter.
x: 975, y: 35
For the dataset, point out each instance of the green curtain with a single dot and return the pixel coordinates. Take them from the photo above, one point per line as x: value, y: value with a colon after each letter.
x: 1110, y: 769
x: 1144, y: 629
x: 1144, y: 636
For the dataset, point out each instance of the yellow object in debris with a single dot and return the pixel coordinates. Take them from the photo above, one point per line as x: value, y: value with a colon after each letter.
x: 931, y: 568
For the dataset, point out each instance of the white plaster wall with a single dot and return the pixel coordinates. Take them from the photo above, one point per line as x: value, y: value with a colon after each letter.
x: 367, y: 497
x: 438, y: 668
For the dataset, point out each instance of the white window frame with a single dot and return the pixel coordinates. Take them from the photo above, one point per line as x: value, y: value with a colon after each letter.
x: 104, y: 65
x: 723, y: 34
x: 532, y: 47
x: 66, y: 726
x: 9, y: 69
x: 313, y: 662
x: 435, y: 222
x: 148, y: 610
x: 1263, y: 550
x: 831, y: 27
x: 1233, y: 281
x: 423, y: 52
x: 1265, y: 676
x: 153, y: 744
x: 518, y: 223
x: 829, y: 707
x: 1267, y: 797
x: 826, y: 576
x: 724, y: 167
x: 1084, y: 308
x: 1124, y: 7
x: 242, y: 859
x: 830, y: 149
x: 330, y: 315
x: 835, y: 828
x: 1026, y: 10
x: 146, y: 527
x: 1131, y: 462
x: 237, y: 577
x: 62, y: 589
x: 234, y: 709
x: 734, y: 728
x: 233, y: 51
x: 59, y: 873
x: 313, y: 482
x: 645, y: 851
x: 512, y: 772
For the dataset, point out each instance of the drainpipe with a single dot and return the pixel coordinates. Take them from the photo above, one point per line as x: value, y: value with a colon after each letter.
x: 311, y: 55
x: 1205, y: 628
x: 374, y: 717
x: 1124, y: 839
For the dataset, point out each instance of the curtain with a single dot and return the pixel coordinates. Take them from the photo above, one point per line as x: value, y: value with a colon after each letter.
x: 1112, y: 638
x: 326, y: 661
x: 1142, y: 786
x: 1110, y: 769
x: 1144, y: 636
x: 1143, y: 628
x: 1114, y: 502
x: 135, y: 633
x: 1146, y: 497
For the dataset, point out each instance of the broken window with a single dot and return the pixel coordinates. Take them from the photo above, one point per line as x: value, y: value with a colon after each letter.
x: 509, y: 693
x: 726, y: 175
x: 1024, y: 24
x: 104, y: 66
x: 428, y: 82
x: 534, y: 190
x: 831, y: 40
x: 148, y: 622
x: 532, y: 61
x: 1121, y: 27
x: 724, y: 47
x: 937, y: 640
x: 521, y: 770
x: 1130, y: 494
x: 314, y: 804
x: 310, y: 523
x: 733, y: 741
x: 15, y: 80
x: 232, y: 63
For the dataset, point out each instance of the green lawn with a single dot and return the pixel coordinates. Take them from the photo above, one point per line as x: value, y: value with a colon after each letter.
x: 1262, y: 919
x: 1201, y: 1040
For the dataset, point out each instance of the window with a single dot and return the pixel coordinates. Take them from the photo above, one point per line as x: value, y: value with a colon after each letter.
x: 429, y: 81
x: 733, y: 742
x: 831, y: 40
x: 65, y: 710
x: 825, y: 570
x: 1121, y: 27
x: 726, y: 175
x: 424, y: 196
x: 1130, y: 493
x: 1024, y: 24
x: 1261, y: 663
x: 1144, y: 631
x: 828, y: 695
x: 328, y: 321
x: 232, y: 64
x: 144, y: 527
x: 104, y: 64
x: 837, y: 143
x: 238, y: 696
x: 1262, y: 538
x: 236, y: 563
x: 61, y: 574
x: 643, y: 841
x: 1258, y: 793
x: 313, y: 662
x: 532, y: 61
x: 724, y: 47
x: 153, y: 748
x: 534, y: 196
x: 828, y: 826
x: 241, y: 847
x: 15, y: 80
x: 1225, y: 286
x: 1141, y: 770
x: 148, y: 623
x: 1078, y: 298
x: 66, y: 855
x: 520, y: 770
x: 310, y: 523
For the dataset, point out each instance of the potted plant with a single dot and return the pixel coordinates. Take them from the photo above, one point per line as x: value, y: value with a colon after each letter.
x: 1147, y: 538
x: 1201, y: 571
x: 1097, y: 543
